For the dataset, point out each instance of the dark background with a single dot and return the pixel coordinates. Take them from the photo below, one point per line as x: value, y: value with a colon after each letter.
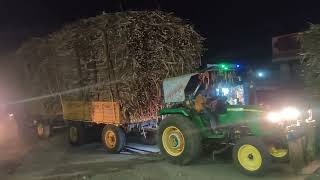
x: 239, y: 30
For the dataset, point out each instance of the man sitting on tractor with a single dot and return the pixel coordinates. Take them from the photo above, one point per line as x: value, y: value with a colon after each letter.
x: 207, y: 102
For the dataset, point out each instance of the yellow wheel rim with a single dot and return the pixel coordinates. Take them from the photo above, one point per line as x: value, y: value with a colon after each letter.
x: 110, y: 139
x: 40, y: 129
x: 173, y: 141
x: 249, y: 157
x: 278, y: 153
x: 73, y: 133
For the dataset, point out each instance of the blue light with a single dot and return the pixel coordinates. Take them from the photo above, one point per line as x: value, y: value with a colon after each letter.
x: 238, y: 65
x: 225, y: 91
x: 260, y: 74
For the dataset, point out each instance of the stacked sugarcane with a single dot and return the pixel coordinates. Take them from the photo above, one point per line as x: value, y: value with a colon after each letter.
x: 120, y: 57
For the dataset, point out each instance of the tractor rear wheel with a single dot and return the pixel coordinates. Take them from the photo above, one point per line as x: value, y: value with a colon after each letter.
x: 113, y: 138
x: 251, y: 156
x: 179, y: 139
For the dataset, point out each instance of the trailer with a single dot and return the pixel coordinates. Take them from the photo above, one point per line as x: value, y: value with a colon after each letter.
x: 102, y: 119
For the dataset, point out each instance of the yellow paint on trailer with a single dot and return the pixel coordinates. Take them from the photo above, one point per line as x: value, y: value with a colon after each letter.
x: 76, y: 110
x: 97, y: 111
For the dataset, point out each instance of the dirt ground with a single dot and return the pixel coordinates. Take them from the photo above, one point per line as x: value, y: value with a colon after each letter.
x: 55, y: 159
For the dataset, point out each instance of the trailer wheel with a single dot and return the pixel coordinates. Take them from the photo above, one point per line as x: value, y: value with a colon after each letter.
x: 43, y: 130
x: 76, y: 134
x: 251, y: 156
x: 113, y: 138
x: 296, y: 153
x: 179, y: 139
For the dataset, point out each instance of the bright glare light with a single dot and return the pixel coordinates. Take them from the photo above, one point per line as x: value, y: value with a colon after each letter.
x: 290, y: 113
x: 260, y: 74
x: 274, y: 117
x: 225, y: 91
x: 11, y: 116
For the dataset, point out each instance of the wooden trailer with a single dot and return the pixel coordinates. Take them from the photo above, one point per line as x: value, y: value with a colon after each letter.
x: 87, y: 120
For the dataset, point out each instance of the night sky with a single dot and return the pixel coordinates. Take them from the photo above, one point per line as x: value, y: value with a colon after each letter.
x: 239, y: 30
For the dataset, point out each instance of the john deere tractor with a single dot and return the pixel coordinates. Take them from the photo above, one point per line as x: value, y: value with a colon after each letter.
x: 206, y: 109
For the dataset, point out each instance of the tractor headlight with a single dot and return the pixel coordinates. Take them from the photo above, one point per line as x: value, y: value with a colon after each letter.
x: 274, y: 117
x: 288, y: 113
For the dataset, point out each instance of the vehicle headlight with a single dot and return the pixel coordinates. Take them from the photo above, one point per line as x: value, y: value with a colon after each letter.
x: 11, y: 116
x: 288, y: 113
x: 274, y: 117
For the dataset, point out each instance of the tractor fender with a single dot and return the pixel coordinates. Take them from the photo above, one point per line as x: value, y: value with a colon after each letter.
x: 196, y: 120
x: 181, y: 111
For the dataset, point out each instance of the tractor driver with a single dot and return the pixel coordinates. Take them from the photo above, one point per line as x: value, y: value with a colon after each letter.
x: 205, y: 101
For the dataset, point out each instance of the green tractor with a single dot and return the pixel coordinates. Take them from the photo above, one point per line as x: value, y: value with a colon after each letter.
x: 200, y: 112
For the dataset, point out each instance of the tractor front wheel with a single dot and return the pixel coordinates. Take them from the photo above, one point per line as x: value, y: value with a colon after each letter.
x: 279, y: 154
x: 251, y: 156
x: 179, y: 139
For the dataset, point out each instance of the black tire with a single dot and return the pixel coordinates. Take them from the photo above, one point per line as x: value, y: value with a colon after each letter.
x: 191, y: 135
x: 76, y: 134
x: 119, y: 139
x: 296, y: 153
x: 263, y: 151
x: 43, y: 130
x: 150, y: 139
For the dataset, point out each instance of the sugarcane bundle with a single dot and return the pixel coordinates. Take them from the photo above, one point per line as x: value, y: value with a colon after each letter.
x: 120, y: 57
